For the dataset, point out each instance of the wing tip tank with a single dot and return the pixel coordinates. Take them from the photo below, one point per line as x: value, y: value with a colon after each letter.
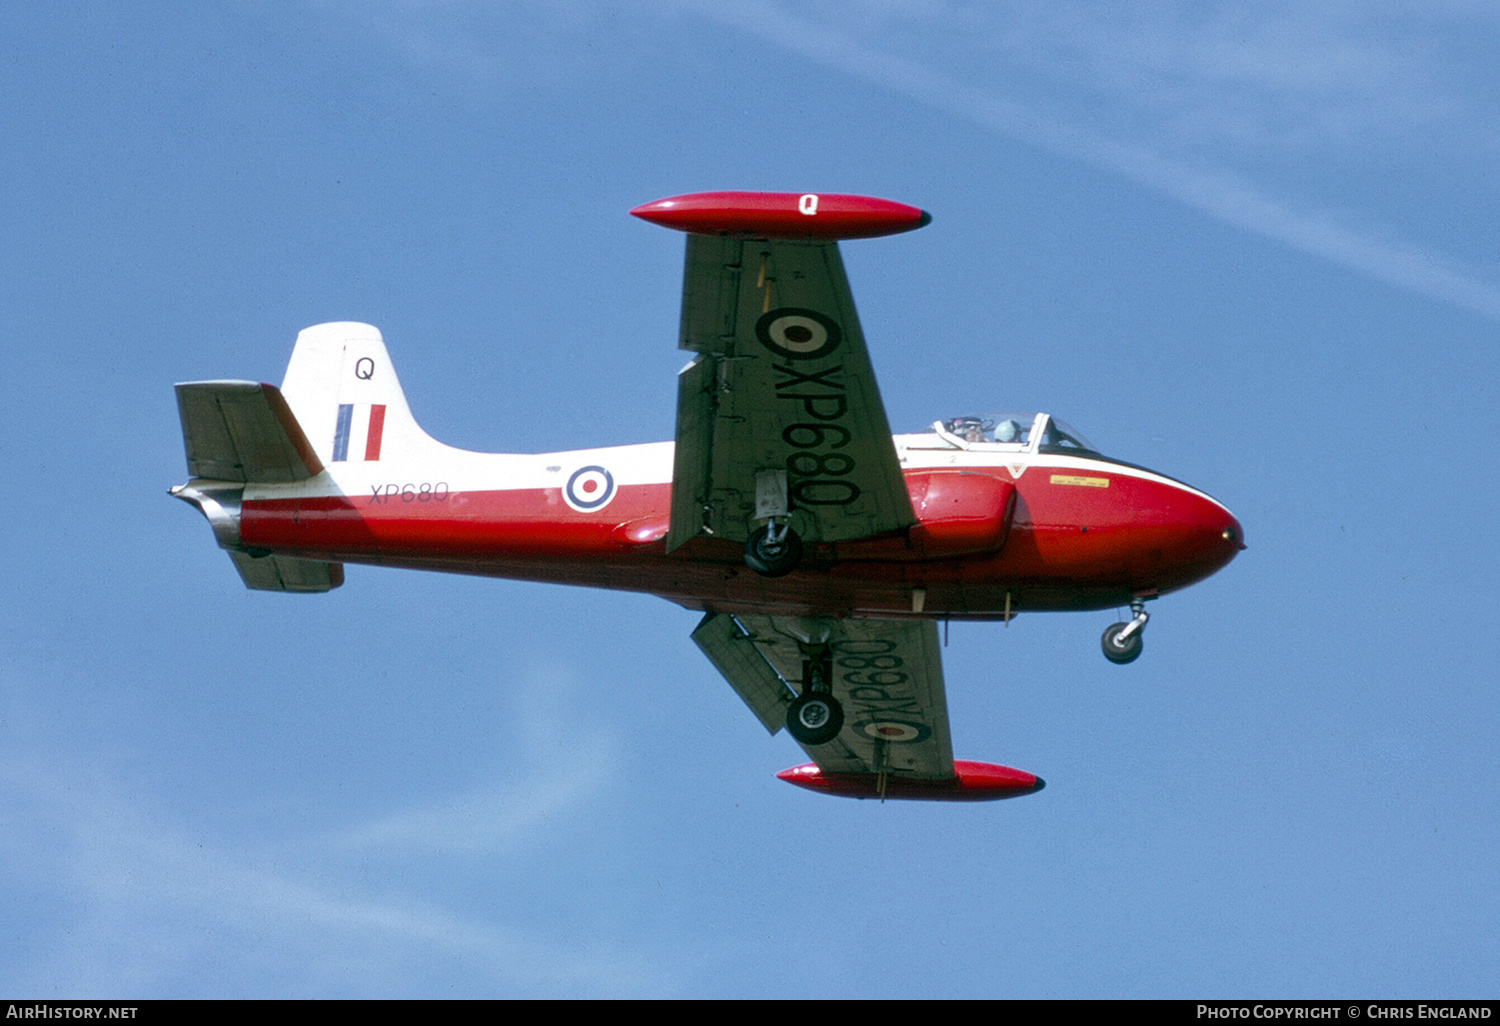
x: 971, y: 782
x: 808, y: 216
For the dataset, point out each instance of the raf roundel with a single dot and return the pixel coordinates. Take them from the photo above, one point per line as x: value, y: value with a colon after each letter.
x: 798, y: 334
x: 589, y: 489
x: 894, y: 731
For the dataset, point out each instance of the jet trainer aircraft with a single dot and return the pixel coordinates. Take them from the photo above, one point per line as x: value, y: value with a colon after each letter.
x: 821, y: 549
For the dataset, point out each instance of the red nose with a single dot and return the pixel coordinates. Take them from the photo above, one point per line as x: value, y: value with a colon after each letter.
x: 1209, y: 536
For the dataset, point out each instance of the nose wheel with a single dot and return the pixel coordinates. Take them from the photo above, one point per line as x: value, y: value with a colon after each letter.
x: 1122, y: 642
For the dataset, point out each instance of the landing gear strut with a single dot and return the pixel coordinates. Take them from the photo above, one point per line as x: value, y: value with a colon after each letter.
x: 773, y: 550
x: 815, y: 717
x: 1122, y: 641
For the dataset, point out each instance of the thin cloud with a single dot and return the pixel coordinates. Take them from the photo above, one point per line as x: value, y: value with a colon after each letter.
x: 134, y: 904
x: 1221, y: 194
x: 498, y: 816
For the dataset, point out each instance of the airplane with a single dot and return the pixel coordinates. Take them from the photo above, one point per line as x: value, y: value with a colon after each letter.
x: 822, y: 549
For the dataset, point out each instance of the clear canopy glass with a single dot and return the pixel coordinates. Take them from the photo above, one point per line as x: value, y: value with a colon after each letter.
x: 1013, y: 431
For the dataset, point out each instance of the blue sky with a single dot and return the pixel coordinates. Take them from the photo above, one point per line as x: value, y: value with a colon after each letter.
x: 1249, y: 245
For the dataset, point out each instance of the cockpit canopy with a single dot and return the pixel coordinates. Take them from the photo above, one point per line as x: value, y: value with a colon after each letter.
x: 1011, y: 431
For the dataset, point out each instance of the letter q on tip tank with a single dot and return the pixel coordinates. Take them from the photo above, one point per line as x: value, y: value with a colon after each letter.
x: 807, y: 216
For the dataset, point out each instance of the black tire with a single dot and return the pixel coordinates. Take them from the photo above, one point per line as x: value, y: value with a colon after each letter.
x: 815, y: 719
x: 773, y: 560
x: 1117, y: 651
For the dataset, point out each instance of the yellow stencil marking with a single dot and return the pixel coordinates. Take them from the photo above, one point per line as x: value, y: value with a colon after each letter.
x: 1087, y: 482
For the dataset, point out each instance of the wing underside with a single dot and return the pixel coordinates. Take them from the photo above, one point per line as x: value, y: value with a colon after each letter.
x: 779, y: 413
x: 886, y: 674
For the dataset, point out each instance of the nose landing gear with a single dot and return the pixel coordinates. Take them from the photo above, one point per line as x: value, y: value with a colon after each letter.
x: 1122, y: 642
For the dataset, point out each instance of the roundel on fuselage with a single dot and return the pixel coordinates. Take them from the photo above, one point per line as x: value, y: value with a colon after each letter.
x: 589, y: 489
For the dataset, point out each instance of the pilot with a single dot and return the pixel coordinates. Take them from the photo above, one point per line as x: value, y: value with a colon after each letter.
x: 970, y: 429
x: 1007, y: 431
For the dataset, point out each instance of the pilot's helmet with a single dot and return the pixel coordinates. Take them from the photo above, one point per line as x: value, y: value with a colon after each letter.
x: 968, y: 428
x: 1007, y: 431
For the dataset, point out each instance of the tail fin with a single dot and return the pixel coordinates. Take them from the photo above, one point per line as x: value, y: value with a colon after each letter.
x: 340, y: 402
x: 239, y: 433
x: 344, y: 392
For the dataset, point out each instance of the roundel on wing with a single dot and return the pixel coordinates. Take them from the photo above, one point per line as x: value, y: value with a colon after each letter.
x: 589, y: 488
x: 894, y: 731
x: 798, y: 334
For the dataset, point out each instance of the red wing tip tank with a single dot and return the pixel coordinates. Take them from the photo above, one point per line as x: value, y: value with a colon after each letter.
x: 808, y: 216
x: 971, y: 782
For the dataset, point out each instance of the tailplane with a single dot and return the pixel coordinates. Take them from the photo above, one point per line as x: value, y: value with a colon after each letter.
x: 340, y: 402
x: 236, y: 434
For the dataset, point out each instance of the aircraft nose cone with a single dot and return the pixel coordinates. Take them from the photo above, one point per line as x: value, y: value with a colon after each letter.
x: 1233, y: 534
x: 1204, y: 537
x: 1227, y: 540
x: 1228, y: 537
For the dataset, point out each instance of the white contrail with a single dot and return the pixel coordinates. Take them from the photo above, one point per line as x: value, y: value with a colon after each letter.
x: 1219, y: 194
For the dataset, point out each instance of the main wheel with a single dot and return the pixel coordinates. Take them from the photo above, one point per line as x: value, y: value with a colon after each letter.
x: 815, y: 719
x: 773, y: 560
x: 1117, y: 650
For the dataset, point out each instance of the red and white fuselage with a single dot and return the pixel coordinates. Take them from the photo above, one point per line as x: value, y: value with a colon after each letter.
x: 1073, y: 531
x: 814, y: 546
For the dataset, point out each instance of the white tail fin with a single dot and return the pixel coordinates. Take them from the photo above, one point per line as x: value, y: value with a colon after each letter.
x: 345, y: 394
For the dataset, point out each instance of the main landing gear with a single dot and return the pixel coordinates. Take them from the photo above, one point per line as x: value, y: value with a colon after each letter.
x: 815, y: 717
x: 773, y: 550
x: 1122, y: 641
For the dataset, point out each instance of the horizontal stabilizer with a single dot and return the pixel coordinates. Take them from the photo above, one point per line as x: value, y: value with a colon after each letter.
x: 282, y: 573
x: 243, y: 431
